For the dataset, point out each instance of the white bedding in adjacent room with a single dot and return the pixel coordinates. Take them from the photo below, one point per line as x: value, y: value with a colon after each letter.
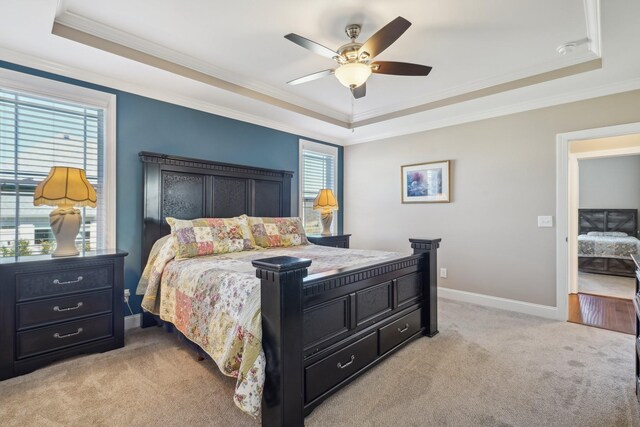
x: 607, y: 246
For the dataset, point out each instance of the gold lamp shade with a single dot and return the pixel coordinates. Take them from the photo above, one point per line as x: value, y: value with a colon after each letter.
x: 65, y: 186
x: 325, y: 201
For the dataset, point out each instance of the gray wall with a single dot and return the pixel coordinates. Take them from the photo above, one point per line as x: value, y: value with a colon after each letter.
x: 503, y: 177
x: 612, y: 182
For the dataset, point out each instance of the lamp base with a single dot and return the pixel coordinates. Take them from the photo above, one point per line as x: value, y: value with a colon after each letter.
x: 65, y: 224
x: 326, y: 217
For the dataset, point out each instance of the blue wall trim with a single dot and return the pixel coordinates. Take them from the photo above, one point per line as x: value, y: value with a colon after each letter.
x: 145, y: 124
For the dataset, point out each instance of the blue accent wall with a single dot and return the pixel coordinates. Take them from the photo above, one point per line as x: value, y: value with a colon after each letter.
x: 145, y: 124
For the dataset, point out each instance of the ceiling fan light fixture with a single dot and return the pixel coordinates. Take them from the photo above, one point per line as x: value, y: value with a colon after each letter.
x: 353, y: 74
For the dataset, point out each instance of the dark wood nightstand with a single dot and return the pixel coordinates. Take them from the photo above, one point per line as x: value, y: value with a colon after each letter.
x: 334, y: 240
x: 54, y: 308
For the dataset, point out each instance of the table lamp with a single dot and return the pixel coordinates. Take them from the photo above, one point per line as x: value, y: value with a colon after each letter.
x: 326, y: 203
x: 65, y: 187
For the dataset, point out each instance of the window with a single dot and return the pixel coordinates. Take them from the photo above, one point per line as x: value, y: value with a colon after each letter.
x: 42, y: 124
x: 318, y: 169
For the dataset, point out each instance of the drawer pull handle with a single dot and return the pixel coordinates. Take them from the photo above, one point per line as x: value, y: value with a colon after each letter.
x: 341, y: 366
x: 405, y: 329
x: 77, y: 306
x: 68, y: 282
x: 57, y: 335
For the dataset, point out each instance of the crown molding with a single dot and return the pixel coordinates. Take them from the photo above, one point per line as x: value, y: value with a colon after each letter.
x: 594, y: 31
x: 592, y: 21
x: 524, y: 73
x: 596, y: 92
x: 150, y: 92
x: 579, y: 68
x: 95, y: 34
x: 174, y: 98
x: 127, y: 52
x: 106, y: 32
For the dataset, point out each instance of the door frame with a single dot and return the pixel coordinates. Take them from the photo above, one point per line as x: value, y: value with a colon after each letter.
x: 567, y: 202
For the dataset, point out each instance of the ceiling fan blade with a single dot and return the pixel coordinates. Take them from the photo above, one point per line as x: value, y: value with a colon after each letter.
x: 400, y: 68
x: 360, y: 91
x: 311, y: 45
x: 311, y: 77
x: 384, y: 38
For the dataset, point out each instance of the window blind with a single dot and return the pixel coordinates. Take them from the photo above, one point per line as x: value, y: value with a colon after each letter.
x: 318, y: 171
x: 37, y: 133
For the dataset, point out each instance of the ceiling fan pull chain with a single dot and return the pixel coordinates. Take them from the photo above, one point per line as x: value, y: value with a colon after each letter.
x: 353, y: 107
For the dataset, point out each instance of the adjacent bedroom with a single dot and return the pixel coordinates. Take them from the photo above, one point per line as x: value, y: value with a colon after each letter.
x: 607, y: 241
x: 310, y: 213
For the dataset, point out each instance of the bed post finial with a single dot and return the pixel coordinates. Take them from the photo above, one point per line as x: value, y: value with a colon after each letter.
x: 429, y: 247
x: 281, y: 294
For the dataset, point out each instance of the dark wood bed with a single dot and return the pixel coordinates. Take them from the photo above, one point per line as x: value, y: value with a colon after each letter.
x: 622, y: 220
x: 351, y: 318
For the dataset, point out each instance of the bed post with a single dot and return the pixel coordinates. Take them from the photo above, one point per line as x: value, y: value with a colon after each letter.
x: 281, y: 300
x: 429, y: 247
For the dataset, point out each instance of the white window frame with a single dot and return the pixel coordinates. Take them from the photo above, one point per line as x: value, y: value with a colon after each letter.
x: 23, y: 82
x: 304, y: 144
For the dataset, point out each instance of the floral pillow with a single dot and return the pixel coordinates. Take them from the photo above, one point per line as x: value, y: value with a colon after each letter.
x: 207, y: 236
x: 277, y: 232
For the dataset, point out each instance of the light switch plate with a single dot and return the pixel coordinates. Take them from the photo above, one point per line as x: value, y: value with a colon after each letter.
x: 443, y: 273
x: 545, y: 221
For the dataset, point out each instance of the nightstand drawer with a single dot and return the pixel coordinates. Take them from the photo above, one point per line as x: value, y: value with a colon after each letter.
x: 60, y: 282
x: 62, y: 309
x: 67, y: 334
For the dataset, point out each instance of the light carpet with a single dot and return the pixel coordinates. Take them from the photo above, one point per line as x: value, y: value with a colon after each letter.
x: 486, y: 368
x: 606, y: 285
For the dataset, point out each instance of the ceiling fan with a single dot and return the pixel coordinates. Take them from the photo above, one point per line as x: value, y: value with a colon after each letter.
x: 355, y: 59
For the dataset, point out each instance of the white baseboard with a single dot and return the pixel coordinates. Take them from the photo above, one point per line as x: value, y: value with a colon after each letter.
x: 132, y: 321
x: 539, y: 310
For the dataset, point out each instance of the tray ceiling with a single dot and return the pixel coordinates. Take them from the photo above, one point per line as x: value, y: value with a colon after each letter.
x: 231, y: 57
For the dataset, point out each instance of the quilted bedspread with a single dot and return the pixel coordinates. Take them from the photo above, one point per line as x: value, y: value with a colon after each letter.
x: 607, y: 246
x: 215, y: 302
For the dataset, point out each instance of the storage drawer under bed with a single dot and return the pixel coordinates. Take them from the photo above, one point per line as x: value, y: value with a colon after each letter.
x: 398, y: 331
x: 332, y: 370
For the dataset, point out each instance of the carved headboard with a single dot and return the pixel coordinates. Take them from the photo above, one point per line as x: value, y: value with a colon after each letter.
x: 624, y: 220
x: 191, y: 188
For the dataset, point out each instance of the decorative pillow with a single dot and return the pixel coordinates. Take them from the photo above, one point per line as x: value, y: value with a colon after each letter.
x: 607, y: 233
x: 207, y: 236
x: 277, y: 232
x: 615, y: 234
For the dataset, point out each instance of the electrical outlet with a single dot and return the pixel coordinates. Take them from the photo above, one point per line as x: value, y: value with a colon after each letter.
x: 127, y: 294
x: 443, y: 273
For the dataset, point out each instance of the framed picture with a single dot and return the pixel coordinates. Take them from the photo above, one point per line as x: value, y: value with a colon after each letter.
x: 425, y: 182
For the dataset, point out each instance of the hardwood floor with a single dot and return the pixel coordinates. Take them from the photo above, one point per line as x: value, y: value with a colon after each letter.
x: 615, y: 314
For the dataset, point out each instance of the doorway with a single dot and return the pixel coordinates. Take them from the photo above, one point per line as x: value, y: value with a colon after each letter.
x: 608, y: 190
x: 595, y: 290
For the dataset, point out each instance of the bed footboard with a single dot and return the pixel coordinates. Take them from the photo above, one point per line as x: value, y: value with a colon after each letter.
x: 321, y: 333
x: 429, y: 249
x: 281, y: 296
